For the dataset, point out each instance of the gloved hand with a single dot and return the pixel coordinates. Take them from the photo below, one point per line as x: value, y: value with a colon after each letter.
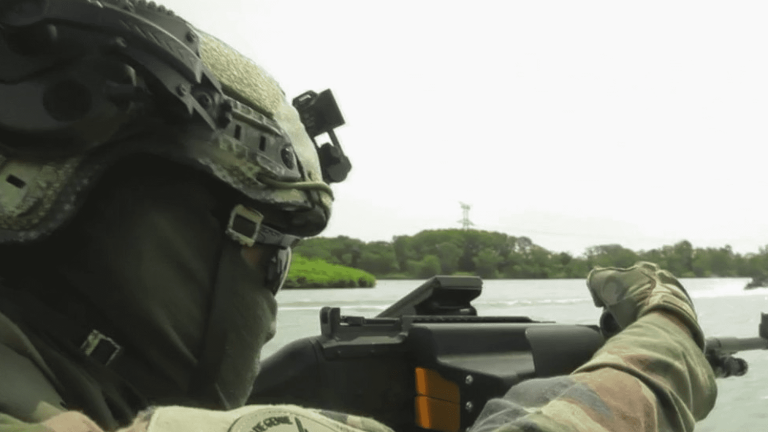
x: 630, y: 293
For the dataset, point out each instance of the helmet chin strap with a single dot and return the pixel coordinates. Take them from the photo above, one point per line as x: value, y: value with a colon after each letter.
x: 236, y: 333
x: 246, y: 228
x: 240, y: 322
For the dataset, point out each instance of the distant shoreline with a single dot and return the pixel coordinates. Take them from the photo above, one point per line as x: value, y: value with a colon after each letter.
x: 494, y: 255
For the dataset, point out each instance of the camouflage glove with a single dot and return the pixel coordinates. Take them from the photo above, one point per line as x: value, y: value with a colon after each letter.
x: 630, y: 293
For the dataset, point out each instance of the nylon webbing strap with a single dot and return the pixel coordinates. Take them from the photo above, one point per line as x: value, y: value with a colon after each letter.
x: 50, y: 331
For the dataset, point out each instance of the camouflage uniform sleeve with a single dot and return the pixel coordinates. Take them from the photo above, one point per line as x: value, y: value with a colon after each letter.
x: 650, y: 377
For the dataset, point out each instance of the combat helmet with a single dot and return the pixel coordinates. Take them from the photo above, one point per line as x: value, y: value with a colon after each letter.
x: 86, y: 83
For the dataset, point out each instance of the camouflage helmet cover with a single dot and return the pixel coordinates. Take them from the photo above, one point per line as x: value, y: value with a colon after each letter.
x: 108, y: 79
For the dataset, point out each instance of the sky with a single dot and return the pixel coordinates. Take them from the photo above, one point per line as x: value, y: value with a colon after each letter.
x: 573, y: 123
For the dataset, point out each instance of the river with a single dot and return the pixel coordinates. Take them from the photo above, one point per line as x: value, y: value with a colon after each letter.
x: 724, y: 309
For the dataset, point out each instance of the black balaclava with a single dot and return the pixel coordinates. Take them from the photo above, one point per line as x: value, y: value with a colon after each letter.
x: 148, y: 258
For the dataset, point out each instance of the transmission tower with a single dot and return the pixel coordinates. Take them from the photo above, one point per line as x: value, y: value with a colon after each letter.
x: 465, y: 222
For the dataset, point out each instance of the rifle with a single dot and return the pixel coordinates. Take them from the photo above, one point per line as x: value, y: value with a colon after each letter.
x: 428, y: 362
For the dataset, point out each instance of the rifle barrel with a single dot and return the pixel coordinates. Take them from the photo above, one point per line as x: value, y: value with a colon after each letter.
x: 730, y: 345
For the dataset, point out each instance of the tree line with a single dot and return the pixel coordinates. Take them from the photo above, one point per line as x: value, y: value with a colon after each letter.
x: 494, y: 255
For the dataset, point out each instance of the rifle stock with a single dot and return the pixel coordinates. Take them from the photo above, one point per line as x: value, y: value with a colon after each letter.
x: 429, y: 362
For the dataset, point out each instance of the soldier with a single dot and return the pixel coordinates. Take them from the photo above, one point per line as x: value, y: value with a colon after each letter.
x: 152, y: 183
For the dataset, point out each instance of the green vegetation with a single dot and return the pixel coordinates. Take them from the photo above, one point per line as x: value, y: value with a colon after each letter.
x: 496, y: 255
x: 316, y: 273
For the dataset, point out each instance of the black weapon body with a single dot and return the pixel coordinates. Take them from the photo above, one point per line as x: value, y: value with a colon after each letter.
x: 430, y: 363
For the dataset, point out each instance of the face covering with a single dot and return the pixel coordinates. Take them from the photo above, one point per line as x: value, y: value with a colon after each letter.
x: 148, y: 253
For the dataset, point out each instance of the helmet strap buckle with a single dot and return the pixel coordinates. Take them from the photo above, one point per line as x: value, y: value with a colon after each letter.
x: 244, y: 225
x: 100, y: 348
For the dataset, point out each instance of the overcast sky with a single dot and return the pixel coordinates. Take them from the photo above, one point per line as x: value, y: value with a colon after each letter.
x: 572, y: 123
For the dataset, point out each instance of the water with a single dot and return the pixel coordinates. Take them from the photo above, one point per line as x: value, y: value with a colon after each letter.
x: 724, y: 309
